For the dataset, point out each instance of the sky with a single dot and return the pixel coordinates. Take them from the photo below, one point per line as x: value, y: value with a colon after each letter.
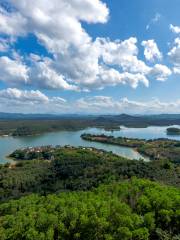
x: 84, y: 56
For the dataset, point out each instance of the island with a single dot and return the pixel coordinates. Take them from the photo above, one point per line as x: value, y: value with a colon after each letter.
x: 155, y: 149
x: 173, y: 131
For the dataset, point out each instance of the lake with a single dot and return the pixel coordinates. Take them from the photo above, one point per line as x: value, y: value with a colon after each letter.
x: 9, y: 144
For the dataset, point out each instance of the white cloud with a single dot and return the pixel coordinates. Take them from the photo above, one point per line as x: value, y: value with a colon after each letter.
x: 160, y: 72
x: 57, y: 25
x: 174, y: 29
x: 115, y: 52
x: 91, y: 11
x: 16, y: 100
x: 40, y: 74
x: 30, y: 101
x: 44, y: 76
x: 113, y: 77
x: 176, y: 70
x: 60, y: 20
x: 77, y: 61
x: 174, y: 55
x: 13, y: 71
x: 95, y: 104
x: 13, y: 24
x: 104, y: 104
x: 151, y: 50
x: 23, y: 96
x: 122, y: 53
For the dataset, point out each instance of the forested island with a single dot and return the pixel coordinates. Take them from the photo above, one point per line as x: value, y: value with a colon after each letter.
x: 155, y: 149
x: 85, y: 193
x: 173, y: 131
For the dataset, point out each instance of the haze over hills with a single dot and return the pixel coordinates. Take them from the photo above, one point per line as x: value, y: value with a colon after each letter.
x: 141, y: 120
x: 8, y: 116
x: 98, y: 120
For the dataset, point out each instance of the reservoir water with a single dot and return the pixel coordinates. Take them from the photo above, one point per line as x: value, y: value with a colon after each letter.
x: 9, y: 144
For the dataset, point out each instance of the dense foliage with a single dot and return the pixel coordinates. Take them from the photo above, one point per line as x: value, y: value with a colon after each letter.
x: 132, y: 210
x: 156, y: 149
x: 96, y: 196
x: 58, y: 169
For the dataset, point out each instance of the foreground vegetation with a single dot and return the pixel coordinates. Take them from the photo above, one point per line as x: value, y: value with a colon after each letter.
x: 157, y: 149
x: 67, y: 193
x: 136, y: 209
x: 52, y: 170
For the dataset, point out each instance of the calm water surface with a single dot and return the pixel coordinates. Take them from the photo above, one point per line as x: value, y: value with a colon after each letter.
x: 9, y: 144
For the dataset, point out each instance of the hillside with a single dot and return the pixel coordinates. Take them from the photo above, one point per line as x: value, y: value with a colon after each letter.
x: 31, y: 124
x: 135, y: 209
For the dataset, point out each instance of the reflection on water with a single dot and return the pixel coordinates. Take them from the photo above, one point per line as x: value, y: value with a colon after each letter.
x: 9, y: 144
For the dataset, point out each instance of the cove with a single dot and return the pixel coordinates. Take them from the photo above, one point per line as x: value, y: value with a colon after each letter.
x: 9, y: 144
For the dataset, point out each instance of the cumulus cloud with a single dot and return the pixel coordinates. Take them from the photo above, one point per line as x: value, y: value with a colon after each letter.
x: 174, y: 55
x: 151, y: 50
x: 160, y: 72
x: 77, y: 61
x: 57, y: 25
x: 113, y: 77
x: 23, y: 96
x: 13, y: 71
x: 174, y: 29
x: 58, y: 21
x: 34, y: 101
x: 13, y: 23
x: 43, y: 75
x: 104, y: 104
x: 28, y: 101
x: 122, y: 53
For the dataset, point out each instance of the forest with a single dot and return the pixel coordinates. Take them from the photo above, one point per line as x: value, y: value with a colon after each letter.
x: 136, y: 209
x: 73, y: 193
x: 156, y: 149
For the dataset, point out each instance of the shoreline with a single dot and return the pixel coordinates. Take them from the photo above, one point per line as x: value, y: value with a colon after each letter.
x: 146, y: 157
x: 150, y: 150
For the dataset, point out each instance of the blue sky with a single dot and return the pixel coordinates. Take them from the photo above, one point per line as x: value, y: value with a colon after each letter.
x: 82, y: 56
x: 130, y: 18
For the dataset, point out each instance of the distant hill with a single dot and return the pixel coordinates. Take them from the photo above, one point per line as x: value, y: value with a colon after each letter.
x: 140, y: 120
x: 98, y: 120
x: 21, y: 116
